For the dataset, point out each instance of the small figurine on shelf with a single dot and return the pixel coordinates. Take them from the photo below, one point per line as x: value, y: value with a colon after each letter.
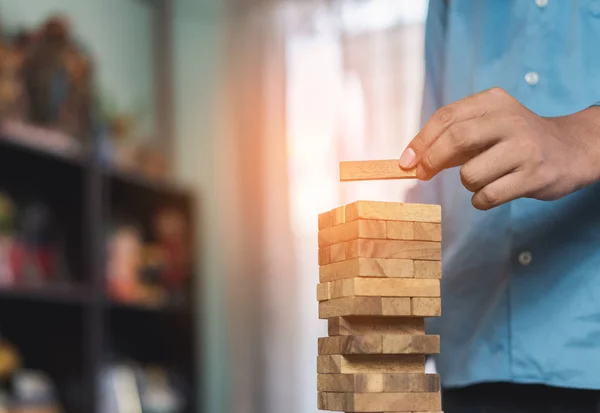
x: 12, y: 90
x: 58, y: 78
x: 10, y: 360
x: 34, y: 391
x: 150, y: 275
x: 172, y: 233
x: 7, y: 223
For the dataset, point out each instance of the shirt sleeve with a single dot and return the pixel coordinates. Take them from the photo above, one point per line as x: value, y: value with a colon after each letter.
x: 435, y: 29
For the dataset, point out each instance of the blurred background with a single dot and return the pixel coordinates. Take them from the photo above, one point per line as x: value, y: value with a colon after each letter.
x: 162, y: 166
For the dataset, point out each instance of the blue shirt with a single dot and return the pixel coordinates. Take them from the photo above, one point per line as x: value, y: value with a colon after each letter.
x: 521, y: 282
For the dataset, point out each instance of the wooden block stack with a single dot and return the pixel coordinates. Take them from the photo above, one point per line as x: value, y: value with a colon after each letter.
x: 379, y: 272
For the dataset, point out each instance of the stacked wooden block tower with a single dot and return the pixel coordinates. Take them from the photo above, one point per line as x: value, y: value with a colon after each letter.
x: 379, y: 271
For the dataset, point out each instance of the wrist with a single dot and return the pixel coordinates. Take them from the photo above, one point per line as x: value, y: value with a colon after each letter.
x: 581, y: 130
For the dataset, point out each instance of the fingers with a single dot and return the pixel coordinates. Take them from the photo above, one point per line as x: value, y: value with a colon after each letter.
x: 485, y: 168
x: 461, y: 142
x: 468, y: 108
x: 505, y: 189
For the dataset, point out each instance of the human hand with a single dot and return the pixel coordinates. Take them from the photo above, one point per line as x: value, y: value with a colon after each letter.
x: 507, y: 151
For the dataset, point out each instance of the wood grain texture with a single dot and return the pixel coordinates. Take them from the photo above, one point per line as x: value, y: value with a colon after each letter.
x: 427, y: 269
x: 375, y: 248
x: 371, y: 363
x: 380, y: 344
x: 393, y: 211
x: 337, y: 252
x: 381, y: 287
x: 374, y: 170
x: 324, y: 220
x: 378, y: 383
x: 337, y: 216
x: 427, y: 231
x: 426, y: 307
x: 377, y: 402
x: 361, y: 228
x: 323, y: 292
x: 367, y: 267
x: 363, y: 325
x: 324, y: 255
x: 365, y: 306
x: 400, y: 230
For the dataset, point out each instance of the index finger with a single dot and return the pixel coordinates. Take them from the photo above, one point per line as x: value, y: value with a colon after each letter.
x: 467, y: 108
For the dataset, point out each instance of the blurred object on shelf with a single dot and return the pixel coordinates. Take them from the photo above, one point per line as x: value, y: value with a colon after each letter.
x: 33, y: 392
x: 4, y: 402
x: 58, y: 80
x: 39, y: 252
x: 125, y: 149
x: 152, y: 162
x: 171, y: 231
x: 10, y: 360
x: 7, y: 227
x: 128, y: 387
x: 151, y: 272
x: 124, y: 263
x: 13, y: 100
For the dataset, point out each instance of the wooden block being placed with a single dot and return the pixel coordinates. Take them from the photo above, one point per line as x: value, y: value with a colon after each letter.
x: 382, y: 287
x: 337, y: 216
x: 427, y: 231
x: 360, y: 228
x: 365, y: 306
x: 378, y: 383
x: 371, y: 363
x: 361, y: 325
x: 377, y: 248
x: 428, y: 269
x: 324, y: 220
x: 426, y: 307
x: 367, y: 267
x: 324, y: 255
x: 393, y: 211
x: 380, y: 402
x: 374, y: 170
x: 400, y: 230
x: 380, y: 344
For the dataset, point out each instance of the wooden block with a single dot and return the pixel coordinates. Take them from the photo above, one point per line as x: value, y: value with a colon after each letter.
x: 377, y: 402
x: 382, y: 287
x: 400, y: 230
x: 394, y: 306
x: 378, y: 383
x: 376, y: 248
x: 393, y: 211
x: 324, y: 220
x: 410, y: 344
x: 361, y: 325
x: 324, y: 256
x: 427, y: 269
x: 427, y: 231
x: 380, y: 344
x: 371, y: 344
x: 371, y: 363
x: 426, y: 307
x: 337, y: 252
x: 323, y: 291
x: 361, y: 228
x: 365, y: 306
x: 337, y: 216
x: 367, y: 267
x: 374, y: 170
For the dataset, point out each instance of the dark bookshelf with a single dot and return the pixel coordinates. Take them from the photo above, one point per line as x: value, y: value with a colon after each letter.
x: 72, y: 330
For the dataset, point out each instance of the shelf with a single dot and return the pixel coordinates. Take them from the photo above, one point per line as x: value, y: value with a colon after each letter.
x: 143, y: 308
x: 68, y: 295
x: 26, y: 138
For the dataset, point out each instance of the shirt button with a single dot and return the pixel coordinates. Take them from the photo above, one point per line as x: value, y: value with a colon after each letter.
x: 541, y: 3
x: 532, y: 78
x: 525, y: 258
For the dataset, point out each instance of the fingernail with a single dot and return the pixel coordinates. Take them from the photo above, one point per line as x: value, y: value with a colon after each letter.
x: 407, y: 159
